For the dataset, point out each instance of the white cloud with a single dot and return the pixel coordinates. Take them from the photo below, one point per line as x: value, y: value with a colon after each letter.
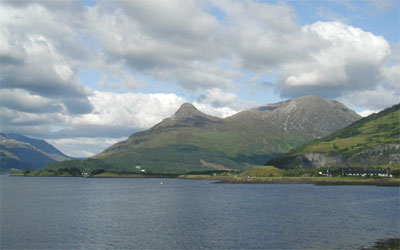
x: 186, y: 45
x: 83, y: 146
x: 366, y: 112
x: 378, y: 98
x: 221, y: 112
x: 113, y: 115
x: 138, y: 111
x: 22, y: 100
x: 348, y: 59
x: 261, y: 35
x: 35, y: 56
x: 217, y: 98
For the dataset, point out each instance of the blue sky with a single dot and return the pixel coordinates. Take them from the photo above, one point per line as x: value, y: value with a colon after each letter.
x: 85, y: 74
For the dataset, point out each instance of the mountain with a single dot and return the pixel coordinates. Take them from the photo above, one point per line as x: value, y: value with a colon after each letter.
x: 21, y: 152
x: 193, y: 141
x: 370, y: 141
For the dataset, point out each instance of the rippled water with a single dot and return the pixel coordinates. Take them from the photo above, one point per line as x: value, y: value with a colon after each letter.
x: 73, y: 213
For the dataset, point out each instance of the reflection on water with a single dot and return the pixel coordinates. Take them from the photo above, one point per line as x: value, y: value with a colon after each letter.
x: 77, y: 213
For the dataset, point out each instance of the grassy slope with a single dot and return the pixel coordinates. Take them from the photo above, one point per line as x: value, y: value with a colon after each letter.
x: 367, y: 133
x: 263, y: 171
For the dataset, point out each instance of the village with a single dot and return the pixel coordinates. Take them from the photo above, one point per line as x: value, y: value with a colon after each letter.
x: 376, y: 172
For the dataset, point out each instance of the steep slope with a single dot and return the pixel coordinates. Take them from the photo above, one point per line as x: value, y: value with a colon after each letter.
x: 21, y: 152
x: 373, y: 140
x: 193, y: 141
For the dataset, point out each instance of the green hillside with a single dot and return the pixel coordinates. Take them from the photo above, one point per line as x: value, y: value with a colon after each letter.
x: 263, y: 171
x: 373, y: 140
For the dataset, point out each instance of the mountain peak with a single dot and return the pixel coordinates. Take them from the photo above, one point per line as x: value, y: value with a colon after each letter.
x: 186, y: 116
x: 187, y: 110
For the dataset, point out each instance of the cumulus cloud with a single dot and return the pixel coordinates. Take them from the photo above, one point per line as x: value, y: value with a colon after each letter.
x: 182, y: 42
x: 261, y: 35
x: 34, y: 56
x: 349, y: 59
x: 166, y: 40
x: 376, y: 99
x: 222, y: 104
x: 22, y: 100
x: 138, y: 111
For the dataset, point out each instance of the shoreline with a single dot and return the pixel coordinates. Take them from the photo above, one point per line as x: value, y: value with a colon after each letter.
x: 319, y: 181
x: 314, y: 182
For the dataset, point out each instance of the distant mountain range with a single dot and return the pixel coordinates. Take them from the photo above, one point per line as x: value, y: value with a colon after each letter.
x: 193, y: 141
x: 371, y: 141
x: 21, y: 152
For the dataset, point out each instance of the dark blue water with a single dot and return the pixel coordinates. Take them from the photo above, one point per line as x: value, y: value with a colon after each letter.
x: 76, y: 213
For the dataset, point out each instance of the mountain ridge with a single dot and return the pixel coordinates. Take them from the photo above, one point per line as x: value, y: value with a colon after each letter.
x: 191, y: 141
x: 22, y: 152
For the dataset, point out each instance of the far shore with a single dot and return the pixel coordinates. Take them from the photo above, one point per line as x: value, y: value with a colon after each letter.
x: 327, y: 182
x: 392, y: 182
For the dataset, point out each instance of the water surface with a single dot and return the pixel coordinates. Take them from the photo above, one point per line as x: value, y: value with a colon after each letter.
x: 76, y: 213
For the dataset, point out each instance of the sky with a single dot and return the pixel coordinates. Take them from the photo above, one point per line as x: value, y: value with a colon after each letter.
x: 86, y: 74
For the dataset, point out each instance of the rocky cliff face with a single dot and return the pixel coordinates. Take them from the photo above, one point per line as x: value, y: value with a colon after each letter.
x: 379, y: 155
x: 316, y: 160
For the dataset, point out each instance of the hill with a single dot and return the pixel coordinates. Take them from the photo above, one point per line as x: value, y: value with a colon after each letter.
x: 21, y: 152
x: 193, y: 141
x: 370, y: 141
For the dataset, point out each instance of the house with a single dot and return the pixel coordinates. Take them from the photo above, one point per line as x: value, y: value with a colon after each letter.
x: 325, y: 172
x: 138, y: 167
